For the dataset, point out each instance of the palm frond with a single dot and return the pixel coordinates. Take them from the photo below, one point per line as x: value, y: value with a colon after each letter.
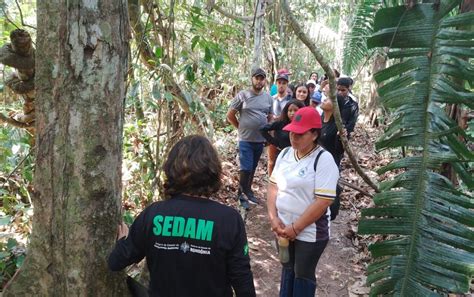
x: 355, y: 41
x: 431, y: 247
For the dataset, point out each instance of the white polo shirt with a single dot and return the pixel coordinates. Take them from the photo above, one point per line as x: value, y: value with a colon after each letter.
x: 299, y: 185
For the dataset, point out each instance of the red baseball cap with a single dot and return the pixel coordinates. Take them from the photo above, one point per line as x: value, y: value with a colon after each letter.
x: 283, y: 71
x: 305, y: 118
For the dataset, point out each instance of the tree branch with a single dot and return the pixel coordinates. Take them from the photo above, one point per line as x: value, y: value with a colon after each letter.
x: 184, y: 103
x: 233, y: 16
x: 144, y: 49
x: 8, y: 19
x: 332, y: 91
x: 21, y: 16
x: 13, y: 122
x: 147, y: 58
x: 10, y: 58
x: 345, y: 183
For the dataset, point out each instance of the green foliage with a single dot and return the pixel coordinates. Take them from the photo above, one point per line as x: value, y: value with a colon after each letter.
x: 431, y: 248
x: 208, y: 42
x: 355, y: 51
x: 355, y: 42
x: 12, y: 255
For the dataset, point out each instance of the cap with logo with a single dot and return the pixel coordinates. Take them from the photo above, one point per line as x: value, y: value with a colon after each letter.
x: 305, y: 119
x: 283, y: 76
x: 259, y: 72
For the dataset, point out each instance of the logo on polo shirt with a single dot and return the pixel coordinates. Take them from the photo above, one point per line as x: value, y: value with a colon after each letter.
x: 302, y: 172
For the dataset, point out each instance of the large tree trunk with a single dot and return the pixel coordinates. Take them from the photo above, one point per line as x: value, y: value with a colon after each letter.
x: 258, y: 34
x: 81, y: 66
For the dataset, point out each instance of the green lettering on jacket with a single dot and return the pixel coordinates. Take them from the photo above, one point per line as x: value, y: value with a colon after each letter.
x: 178, y: 227
x: 190, y: 230
x: 167, y: 226
x: 170, y: 226
x: 204, y: 230
x: 156, y: 221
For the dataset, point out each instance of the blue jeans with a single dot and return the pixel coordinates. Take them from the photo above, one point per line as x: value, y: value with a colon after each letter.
x: 249, y: 154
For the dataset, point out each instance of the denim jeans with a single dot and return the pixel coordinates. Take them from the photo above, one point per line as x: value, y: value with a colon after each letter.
x: 249, y: 154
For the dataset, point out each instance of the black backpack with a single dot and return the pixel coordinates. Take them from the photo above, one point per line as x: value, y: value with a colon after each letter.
x: 337, y: 201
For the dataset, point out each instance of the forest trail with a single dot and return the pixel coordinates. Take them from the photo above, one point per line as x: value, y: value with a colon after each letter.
x: 334, y: 273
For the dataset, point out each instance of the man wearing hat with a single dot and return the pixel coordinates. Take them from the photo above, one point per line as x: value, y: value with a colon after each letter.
x: 281, y: 97
x: 316, y: 101
x: 254, y: 107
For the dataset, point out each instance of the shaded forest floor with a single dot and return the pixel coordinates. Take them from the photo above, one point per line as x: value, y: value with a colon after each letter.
x: 341, y: 270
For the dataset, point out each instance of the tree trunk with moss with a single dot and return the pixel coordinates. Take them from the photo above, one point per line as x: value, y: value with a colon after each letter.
x: 81, y: 66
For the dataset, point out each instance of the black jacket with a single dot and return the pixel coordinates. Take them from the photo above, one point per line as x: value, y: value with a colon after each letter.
x: 330, y: 140
x: 281, y: 139
x: 349, y: 113
x: 193, y: 247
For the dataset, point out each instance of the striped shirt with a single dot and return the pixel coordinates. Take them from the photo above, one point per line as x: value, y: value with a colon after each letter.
x: 298, y: 186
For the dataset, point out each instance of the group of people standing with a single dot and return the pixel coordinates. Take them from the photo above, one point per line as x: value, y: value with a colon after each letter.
x: 304, y: 156
x: 262, y: 118
x: 197, y: 247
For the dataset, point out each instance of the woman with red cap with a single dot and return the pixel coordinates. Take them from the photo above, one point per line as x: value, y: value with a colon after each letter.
x: 301, y: 189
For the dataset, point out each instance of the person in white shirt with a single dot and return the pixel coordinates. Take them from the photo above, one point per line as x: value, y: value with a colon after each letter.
x: 298, y: 198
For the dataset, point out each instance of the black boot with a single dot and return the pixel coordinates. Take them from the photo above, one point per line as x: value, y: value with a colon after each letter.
x: 243, y: 188
x: 250, y: 195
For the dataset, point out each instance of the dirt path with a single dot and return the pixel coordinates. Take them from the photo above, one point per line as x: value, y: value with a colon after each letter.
x: 334, y: 273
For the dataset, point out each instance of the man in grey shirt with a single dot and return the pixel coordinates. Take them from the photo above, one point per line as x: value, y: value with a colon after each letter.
x: 254, y: 107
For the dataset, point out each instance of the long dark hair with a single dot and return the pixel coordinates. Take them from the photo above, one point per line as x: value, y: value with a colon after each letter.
x: 192, y: 167
x: 306, y: 101
x: 284, y: 113
x: 311, y: 74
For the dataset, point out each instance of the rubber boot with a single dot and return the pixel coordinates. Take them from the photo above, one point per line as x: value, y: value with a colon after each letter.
x: 304, y: 287
x: 243, y: 188
x: 249, y: 193
x: 287, y: 282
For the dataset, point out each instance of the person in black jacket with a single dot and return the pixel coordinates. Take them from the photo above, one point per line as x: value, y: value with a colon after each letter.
x: 329, y: 138
x: 280, y: 139
x: 349, y: 107
x: 193, y: 246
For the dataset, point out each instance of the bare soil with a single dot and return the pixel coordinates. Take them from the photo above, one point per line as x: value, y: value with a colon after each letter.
x: 334, y: 272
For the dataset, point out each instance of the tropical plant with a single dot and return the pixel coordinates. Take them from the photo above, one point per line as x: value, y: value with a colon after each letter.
x: 355, y: 41
x: 356, y: 51
x: 430, y: 247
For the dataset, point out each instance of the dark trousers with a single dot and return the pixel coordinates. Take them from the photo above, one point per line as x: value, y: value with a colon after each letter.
x: 298, y: 275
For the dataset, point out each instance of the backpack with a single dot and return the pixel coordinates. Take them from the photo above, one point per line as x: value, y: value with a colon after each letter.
x: 337, y: 201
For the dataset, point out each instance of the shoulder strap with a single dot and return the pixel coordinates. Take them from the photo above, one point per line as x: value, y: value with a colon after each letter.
x: 317, y: 158
x: 284, y: 151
